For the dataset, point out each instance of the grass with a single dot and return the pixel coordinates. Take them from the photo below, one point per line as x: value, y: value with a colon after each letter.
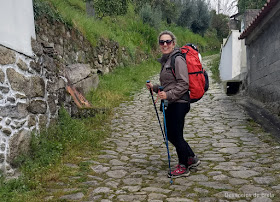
x: 215, y: 69
x: 118, y: 86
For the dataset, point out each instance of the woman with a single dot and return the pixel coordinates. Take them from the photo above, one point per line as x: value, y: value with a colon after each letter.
x: 176, y: 93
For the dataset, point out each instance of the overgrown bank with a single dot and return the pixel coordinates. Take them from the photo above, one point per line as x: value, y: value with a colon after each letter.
x: 128, y: 30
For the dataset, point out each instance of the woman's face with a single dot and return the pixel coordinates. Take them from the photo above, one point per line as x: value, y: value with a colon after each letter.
x: 166, y: 44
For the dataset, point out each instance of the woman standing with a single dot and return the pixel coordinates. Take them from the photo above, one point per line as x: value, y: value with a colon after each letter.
x: 176, y: 93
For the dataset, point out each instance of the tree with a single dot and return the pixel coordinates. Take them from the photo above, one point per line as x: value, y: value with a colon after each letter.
x: 226, y: 7
x: 90, y: 8
x: 151, y: 16
x: 250, y: 4
x: 140, y: 3
x: 167, y: 8
x: 201, y: 17
x: 194, y: 14
x: 187, y: 14
x: 219, y: 22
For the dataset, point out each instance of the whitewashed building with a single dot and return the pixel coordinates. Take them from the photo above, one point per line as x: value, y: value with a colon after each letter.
x: 17, y: 25
x: 233, y: 67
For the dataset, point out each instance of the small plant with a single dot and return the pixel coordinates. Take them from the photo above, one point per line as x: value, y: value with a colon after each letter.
x: 215, y: 69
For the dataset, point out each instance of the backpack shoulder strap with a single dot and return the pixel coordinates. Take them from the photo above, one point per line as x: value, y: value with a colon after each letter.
x: 173, y: 57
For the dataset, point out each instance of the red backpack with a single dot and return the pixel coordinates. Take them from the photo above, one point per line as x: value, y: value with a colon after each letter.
x: 198, y: 77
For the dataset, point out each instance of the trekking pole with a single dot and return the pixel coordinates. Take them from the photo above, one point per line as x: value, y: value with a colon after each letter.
x: 151, y: 91
x: 166, y: 138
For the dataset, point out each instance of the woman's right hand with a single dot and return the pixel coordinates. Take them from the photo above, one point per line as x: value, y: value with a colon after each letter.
x: 149, y: 85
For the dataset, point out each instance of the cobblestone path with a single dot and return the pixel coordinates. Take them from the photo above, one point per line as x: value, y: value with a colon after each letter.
x: 239, y: 162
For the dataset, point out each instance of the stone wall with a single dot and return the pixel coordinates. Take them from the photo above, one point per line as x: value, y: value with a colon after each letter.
x: 263, y: 58
x: 33, y: 89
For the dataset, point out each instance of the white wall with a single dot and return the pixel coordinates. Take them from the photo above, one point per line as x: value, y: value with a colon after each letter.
x: 17, y: 25
x: 236, y: 54
x: 226, y: 60
x: 233, y: 58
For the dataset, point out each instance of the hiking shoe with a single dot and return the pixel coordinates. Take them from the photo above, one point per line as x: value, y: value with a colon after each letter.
x: 193, y: 162
x: 179, y: 171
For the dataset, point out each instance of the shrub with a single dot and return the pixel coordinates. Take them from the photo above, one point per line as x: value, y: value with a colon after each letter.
x: 151, y: 16
x: 110, y: 8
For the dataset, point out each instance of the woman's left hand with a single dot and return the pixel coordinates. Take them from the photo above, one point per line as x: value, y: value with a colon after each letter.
x: 162, y: 95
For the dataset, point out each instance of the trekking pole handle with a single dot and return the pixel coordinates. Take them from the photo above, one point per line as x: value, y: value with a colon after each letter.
x: 148, y: 81
x: 160, y: 88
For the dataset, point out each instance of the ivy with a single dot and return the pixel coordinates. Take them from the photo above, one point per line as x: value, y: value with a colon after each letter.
x: 42, y: 8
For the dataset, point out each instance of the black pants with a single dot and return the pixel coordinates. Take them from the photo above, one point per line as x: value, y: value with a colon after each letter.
x: 175, y: 119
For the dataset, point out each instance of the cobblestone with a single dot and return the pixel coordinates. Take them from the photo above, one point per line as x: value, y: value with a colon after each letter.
x: 237, y: 164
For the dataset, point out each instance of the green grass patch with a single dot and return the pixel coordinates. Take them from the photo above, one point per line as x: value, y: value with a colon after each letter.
x: 215, y: 69
x: 61, y: 143
x: 118, y: 86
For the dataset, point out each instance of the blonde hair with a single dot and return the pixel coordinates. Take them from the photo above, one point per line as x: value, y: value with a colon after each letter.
x: 173, y: 37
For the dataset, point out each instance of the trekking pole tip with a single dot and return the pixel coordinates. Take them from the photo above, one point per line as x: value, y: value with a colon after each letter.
x: 171, y: 181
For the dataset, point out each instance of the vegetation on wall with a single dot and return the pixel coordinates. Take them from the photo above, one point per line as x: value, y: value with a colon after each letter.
x: 219, y: 23
x: 250, y: 4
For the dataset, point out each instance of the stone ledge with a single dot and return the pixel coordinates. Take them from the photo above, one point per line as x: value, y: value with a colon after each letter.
x: 264, y: 117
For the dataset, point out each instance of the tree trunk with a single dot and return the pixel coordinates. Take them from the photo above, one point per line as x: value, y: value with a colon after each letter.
x: 90, y: 8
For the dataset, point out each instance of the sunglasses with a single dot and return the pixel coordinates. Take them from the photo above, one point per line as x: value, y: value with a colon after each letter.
x: 168, y: 42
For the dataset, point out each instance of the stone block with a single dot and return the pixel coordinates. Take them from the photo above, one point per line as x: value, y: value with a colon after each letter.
x: 7, y: 56
x: 30, y: 86
x: 78, y: 72
x: 7, y: 131
x: 22, y: 65
x: 19, y: 144
x: 31, y: 120
x: 4, y: 89
x: 2, y: 76
x: 3, y: 147
x: 36, y: 66
x: 16, y: 111
x: 2, y: 157
x: 37, y: 107
x: 43, y: 120
x: 84, y: 86
x: 52, y: 104
x: 18, y: 81
x: 37, y: 87
x: 36, y: 47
